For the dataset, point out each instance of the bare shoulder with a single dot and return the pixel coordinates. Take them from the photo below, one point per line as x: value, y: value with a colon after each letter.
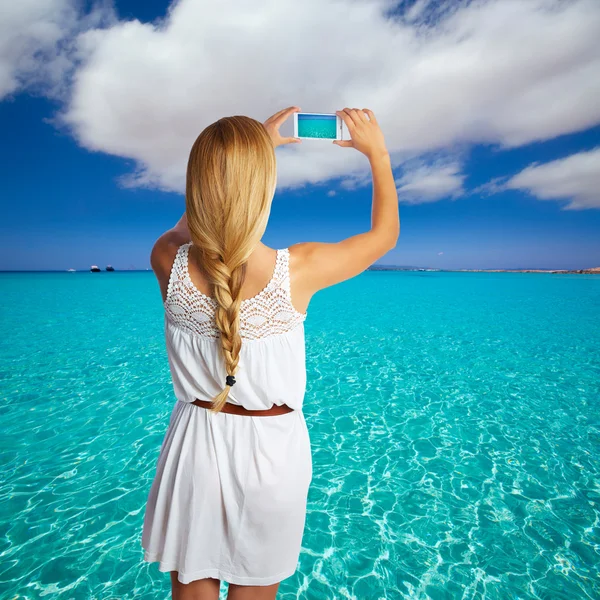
x: 163, y: 253
x: 299, y: 256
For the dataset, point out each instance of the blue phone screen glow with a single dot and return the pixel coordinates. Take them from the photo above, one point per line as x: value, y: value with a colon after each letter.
x: 317, y: 126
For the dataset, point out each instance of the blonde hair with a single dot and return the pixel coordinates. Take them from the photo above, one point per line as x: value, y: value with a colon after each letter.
x: 230, y: 182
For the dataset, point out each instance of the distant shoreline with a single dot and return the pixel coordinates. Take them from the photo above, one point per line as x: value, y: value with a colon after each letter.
x: 592, y: 271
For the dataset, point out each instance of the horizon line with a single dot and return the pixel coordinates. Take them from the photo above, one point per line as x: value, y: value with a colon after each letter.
x: 371, y: 268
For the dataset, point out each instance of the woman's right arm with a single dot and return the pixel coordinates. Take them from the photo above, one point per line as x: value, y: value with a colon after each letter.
x: 318, y: 265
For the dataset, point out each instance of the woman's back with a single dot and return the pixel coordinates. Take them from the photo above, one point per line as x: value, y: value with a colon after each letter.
x: 272, y: 366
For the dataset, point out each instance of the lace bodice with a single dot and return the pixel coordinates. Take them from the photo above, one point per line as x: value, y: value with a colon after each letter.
x: 268, y: 313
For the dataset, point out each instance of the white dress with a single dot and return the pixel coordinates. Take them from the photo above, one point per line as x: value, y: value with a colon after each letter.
x: 228, y: 499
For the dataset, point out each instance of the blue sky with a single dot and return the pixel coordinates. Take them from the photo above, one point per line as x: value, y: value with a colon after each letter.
x: 467, y: 199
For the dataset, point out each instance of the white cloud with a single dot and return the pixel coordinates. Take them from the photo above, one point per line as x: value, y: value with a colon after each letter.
x: 430, y: 182
x: 494, y: 186
x: 416, y: 10
x: 575, y: 178
x: 36, y: 38
x: 499, y: 71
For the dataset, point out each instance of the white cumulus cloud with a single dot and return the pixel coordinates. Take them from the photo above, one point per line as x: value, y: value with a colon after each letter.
x: 575, y: 178
x: 430, y: 182
x: 506, y: 72
x: 36, y: 43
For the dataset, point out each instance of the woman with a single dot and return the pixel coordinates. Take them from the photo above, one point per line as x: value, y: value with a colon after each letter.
x: 228, y: 500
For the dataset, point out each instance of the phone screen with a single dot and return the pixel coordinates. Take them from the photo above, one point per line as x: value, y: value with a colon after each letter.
x: 312, y: 125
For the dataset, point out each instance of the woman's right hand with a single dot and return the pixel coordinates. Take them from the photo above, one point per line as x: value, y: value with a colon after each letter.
x: 366, y: 135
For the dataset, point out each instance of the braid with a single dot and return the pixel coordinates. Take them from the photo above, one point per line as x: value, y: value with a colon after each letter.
x: 227, y: 286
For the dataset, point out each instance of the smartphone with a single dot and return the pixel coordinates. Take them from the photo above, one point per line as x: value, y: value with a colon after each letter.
x: 313, y: 126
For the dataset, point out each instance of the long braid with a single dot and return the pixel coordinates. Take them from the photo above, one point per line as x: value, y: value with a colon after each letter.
x: 227, y: 287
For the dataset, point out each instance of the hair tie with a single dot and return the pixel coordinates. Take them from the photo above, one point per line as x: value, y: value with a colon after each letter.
x: 230, y: 380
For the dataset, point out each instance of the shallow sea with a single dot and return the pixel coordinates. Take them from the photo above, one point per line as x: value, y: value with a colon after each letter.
x: 454, y: 420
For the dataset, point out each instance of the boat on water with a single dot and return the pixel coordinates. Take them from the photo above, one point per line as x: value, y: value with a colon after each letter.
x: 70, y: 270
x: 95, y: 269
x: 110, y: 268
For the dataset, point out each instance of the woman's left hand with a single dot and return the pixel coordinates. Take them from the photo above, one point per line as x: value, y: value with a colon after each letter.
x: 272, y: 125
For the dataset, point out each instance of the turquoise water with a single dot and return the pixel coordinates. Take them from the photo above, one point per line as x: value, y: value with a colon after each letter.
x: 317, y: 126
x: 454, y: 420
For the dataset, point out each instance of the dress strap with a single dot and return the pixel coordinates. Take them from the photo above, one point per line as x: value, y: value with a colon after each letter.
x: 177, y: 269
x: 285, y: 271
x: 285, y: 282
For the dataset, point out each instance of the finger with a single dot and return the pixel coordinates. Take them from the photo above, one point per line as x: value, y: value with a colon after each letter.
x: 281, y: 112
x: 284, y: 114
x: 360, y: 114
x: 353, y: 116
x: 346, y: 118
x: 290, y: 140
x: 371, y: 116
x: 343, y: 143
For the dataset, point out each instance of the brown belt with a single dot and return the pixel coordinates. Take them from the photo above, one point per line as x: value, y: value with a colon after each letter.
x: 236, y: 409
